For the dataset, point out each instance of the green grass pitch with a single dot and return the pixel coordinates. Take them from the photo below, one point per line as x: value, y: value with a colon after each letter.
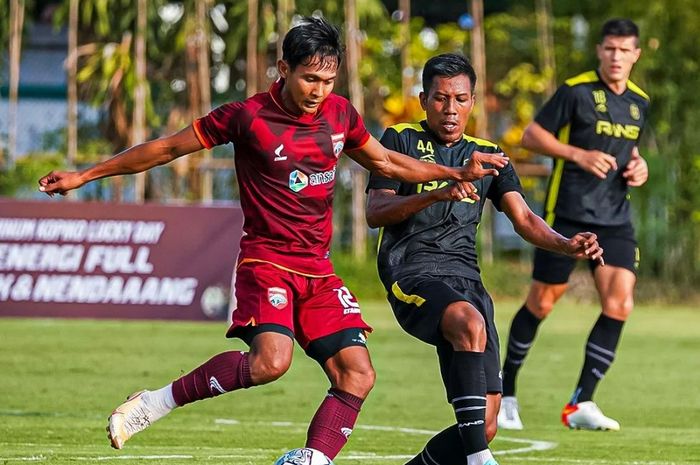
x: 61, y: 378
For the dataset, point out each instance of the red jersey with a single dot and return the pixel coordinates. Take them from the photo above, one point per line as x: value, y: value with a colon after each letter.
x: 286, y: 168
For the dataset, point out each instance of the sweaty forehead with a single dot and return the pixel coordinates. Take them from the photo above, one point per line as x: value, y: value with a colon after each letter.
x: 319, y: 65
x: 455, y: 85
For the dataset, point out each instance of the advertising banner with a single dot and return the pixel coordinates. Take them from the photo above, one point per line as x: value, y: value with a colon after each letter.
x: 103, y: 260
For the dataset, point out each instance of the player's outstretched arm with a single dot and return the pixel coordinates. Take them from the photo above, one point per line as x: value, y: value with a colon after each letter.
x: 385, y: 208
x: 132, y: 160
x: 538, y: 139
x: 389, y: 164
x: 533, y: 229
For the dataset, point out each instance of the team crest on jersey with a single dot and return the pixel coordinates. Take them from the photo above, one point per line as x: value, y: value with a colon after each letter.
x: 338, y: 141
x: 298, y: 180
x: 277, y: 297
x: 634, y: 111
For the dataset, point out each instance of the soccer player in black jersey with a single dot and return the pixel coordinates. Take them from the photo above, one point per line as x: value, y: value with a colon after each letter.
x: 591, y: 127
x: 427, y: 257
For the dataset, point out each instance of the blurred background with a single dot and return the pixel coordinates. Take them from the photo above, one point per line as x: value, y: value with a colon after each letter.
x: 81, y: 80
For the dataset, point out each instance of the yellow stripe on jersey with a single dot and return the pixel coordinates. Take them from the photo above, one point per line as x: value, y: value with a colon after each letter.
x: 583, y: 78
x: 402, y: 126
x: 636, y: 89
x: 381, y: 236
x: 555, y: 181
x: 409, y: 299
x: 482, y: 142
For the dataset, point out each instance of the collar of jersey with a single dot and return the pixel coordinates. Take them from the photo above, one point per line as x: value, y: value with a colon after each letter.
x: 605, y: 84
x: 276, y: 96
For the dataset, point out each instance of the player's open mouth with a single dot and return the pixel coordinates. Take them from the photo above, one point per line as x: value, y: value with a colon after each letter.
x: 449, y: 125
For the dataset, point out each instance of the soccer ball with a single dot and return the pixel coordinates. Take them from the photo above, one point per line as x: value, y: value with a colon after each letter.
x: 304, y: 456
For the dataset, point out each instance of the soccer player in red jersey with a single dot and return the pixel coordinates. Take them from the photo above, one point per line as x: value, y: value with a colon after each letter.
x: 287, y: 144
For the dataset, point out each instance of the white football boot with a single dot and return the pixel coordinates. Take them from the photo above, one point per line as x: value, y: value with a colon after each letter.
x: 131, y: 417
x: 509, y: 414
x: 587, y: 415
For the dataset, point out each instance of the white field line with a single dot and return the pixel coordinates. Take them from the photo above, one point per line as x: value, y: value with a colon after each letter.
x: 252, y: 454
x: 532, y: 444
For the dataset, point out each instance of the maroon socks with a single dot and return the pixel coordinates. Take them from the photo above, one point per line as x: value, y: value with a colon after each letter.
x: 333, y: 422
x: 223, y: 373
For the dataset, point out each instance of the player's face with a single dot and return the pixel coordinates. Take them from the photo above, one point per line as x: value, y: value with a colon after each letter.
x: 617, y: 55
x: 307, y: 85
x: 447, y: 106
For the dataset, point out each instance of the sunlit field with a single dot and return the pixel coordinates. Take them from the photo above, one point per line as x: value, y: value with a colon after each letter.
x: 61, y: 379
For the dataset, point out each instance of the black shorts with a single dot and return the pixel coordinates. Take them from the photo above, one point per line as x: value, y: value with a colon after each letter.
x: 418, y: 304
x: 619, y: 249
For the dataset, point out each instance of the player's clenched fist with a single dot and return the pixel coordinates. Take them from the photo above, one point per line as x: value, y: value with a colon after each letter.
x: 585, y: 245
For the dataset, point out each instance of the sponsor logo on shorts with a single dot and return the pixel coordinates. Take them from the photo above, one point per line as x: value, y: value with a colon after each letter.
x: 347, y: 300
x: 360, y: 339
x: 277, y: 297
x: 471, y: 423
x: 214, y: 385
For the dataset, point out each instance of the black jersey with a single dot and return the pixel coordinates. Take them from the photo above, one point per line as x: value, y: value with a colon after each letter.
x: 584, y: 112
x: 440, y: 239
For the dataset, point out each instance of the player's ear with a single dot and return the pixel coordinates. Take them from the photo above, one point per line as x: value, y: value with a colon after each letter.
x: 637, y: 53
x: 423, y: 99
x: 282, y: 68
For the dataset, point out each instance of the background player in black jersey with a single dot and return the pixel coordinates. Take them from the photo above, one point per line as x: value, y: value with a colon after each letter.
x: 591, y: 127
x: 427, y: 257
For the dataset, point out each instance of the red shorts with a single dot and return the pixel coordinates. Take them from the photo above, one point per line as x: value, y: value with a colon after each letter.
x: 310, y: 307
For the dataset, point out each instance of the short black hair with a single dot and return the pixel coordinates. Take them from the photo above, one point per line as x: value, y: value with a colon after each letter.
x: 313, y: 38
x: 447, y: 65
x: 620, y: 27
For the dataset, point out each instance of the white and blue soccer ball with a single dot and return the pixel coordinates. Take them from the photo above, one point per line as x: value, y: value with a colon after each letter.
x: 304, y: 456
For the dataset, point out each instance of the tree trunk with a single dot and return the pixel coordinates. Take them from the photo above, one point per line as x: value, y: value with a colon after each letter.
x: 545, y: 44
x: 138, y: 134
x: 16, y: 26
x: 203, y: 73
x: 251, y: 81
x: 359, y: 228
x: 284, y: 9
x: 481, y: 117
x: 72, y: 68
x: 406, y: 73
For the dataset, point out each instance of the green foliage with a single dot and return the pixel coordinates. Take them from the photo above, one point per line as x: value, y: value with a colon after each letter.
x: 21, y: 179
x: 668, y: 205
